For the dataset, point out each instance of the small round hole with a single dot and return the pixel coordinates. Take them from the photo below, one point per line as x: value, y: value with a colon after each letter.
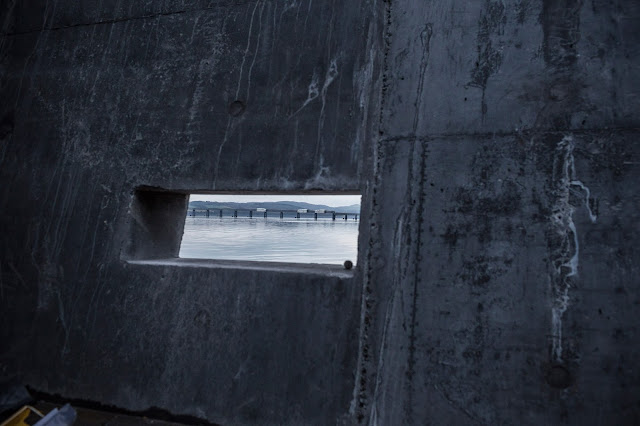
x: 236, y: 108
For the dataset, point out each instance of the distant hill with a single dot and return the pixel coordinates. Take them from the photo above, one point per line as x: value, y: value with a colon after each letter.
x: 353, y: 208
x: 274, y: 205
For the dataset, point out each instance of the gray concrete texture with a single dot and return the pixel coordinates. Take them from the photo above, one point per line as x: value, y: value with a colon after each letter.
x: 494, y: 143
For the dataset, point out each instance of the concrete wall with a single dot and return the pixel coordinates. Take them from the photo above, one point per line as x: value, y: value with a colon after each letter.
x: 501, y: 282
x: 495, y: 146
x: 101, y: 99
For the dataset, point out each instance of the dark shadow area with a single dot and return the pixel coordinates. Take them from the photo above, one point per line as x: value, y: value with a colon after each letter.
x: 153, y: 413
x: 157, y: 221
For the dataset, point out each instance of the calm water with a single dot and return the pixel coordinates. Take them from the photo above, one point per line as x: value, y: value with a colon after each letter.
x: 272, y: 239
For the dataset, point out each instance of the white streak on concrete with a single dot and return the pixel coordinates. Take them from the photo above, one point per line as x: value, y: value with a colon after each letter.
x: 332, y: 72
x: 560, y: 305
x: 312, y: 93
x: 572, y: 264
x: 564, y: 225
x: 587, y: 197
x: 65, y: 327
x: 255, y: 54
x: 322, y: 177
x: 363, y: 81
x: 224, y: 141
x: 197, y: 94
x: 246, y: 50
x: 330, y: 76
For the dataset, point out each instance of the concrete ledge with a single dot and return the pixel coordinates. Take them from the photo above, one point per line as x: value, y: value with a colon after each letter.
x: 311, y: 268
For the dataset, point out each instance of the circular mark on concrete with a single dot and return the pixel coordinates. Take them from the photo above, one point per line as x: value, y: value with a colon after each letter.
x: 559, y: 377
x: 348, y: 264
x: 236, y: 108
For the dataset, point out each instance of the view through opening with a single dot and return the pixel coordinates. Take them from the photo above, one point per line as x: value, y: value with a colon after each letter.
x: 273, y: 228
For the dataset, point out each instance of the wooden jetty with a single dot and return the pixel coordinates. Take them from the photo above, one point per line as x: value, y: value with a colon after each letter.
x: 249, y: 213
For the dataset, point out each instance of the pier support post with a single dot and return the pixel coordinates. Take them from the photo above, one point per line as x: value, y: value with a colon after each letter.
x: 220, y: 212
x: 281, y: 215
x: 250, y: 214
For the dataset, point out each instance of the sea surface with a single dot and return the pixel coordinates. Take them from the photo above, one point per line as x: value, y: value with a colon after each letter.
x: 303, y: 240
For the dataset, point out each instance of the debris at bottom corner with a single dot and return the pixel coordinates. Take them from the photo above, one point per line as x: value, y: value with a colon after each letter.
x: 65, y: 416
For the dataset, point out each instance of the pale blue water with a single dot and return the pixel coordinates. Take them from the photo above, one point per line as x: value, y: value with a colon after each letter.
x: 277, y: 240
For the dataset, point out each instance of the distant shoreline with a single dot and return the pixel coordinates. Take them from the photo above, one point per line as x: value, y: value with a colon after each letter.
x: 270, y: 206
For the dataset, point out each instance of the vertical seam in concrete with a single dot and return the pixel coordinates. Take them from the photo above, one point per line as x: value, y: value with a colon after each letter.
x: 425, y: 40
x: 411, y: 361
x: 361, y: 394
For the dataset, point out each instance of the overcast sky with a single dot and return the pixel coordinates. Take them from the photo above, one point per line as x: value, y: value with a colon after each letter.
x: 327, y: 200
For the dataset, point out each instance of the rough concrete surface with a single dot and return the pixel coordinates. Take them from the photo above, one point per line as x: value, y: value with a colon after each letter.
x: 495, y: 145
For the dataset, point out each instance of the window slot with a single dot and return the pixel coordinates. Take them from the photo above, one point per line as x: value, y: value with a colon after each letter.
x: 320, y: 229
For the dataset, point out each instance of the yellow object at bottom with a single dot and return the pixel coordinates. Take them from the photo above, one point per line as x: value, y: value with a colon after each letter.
x: 18, y: 418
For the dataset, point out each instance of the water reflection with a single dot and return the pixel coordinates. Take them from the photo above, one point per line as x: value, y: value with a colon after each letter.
x: 272, y: 239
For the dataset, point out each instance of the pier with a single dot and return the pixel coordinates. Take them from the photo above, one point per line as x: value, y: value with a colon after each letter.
x: 265, y: 213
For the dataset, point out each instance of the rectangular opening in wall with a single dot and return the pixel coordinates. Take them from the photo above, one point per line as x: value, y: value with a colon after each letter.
x: 287, y: 228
